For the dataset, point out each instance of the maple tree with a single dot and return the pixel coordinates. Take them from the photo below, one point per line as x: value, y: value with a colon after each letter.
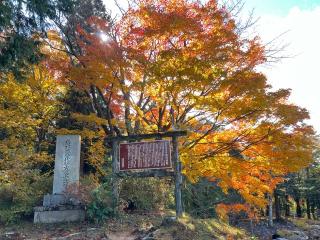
x: 185, y: 65
x: 163, y: 65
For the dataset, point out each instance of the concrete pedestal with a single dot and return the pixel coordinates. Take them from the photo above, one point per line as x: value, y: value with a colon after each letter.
x: 58, y: 214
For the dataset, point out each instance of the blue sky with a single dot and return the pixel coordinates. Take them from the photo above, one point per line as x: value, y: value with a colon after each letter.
x: 280, y: 7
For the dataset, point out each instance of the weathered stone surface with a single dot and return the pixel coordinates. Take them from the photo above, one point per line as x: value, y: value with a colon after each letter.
x: 59, y: 216
x: 67, y: 162
x: 11, y: 236
x: 168, y: 221
x: 51, y: 200
x: 314, y: 232
x: 57, y: 208
x: 297, y: 235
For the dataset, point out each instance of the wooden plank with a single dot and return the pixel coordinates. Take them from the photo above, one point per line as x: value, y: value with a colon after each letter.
x: 145, y: 155
x: 147, y: 136
x: 178, y: 176
x: 149, y: 173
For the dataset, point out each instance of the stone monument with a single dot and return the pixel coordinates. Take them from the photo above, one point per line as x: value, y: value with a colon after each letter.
x: 58, y: 207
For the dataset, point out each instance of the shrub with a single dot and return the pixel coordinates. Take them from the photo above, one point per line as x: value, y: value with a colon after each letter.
x: 200, y: 199
x: 148, y: 193
x: 95, y: 197
x: 18, y: 198
x: 100, y: 207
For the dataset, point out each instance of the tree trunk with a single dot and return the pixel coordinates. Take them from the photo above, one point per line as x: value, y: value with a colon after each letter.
x: 308, y: 208
x: 313, y: 212
x: 277, y: 206
x: 307, y: 199
x: 178, y: 177
x: 298, y: 207
x: 270, y: 217
x: 263, y: 212
x: 115, y: 180
x: 287, y: 206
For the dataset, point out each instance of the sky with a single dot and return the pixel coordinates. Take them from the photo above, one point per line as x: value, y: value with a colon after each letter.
x: 280, y: 7
x: 297, y: 22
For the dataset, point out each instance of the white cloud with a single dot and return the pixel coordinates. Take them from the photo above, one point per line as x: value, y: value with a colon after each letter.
x: 301, y: 72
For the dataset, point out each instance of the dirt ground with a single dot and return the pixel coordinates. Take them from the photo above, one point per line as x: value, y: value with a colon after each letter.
x: 128, y: 227
x: 141, y: 226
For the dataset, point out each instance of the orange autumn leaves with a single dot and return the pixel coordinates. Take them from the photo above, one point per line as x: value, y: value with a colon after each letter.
x: 177, y: 64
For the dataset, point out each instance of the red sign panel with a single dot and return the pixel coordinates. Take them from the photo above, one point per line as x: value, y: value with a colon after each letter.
x: 145, y: 155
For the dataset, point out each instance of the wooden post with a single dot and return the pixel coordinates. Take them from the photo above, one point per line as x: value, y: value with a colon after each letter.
x: 178, y: 176
x: 270, y: 217
x: 115, y: 182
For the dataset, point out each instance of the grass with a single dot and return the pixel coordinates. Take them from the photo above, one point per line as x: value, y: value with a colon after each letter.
x: 303, y: 223
x: 188, y: 228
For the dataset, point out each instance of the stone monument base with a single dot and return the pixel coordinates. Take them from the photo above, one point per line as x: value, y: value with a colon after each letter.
x: 54, y: 200
x: 58, y: 214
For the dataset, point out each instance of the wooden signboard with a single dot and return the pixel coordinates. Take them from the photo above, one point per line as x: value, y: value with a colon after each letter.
x: 145, y: 155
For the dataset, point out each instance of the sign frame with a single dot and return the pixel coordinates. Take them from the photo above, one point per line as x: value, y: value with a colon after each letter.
x: 176, y: 164
x: 146, y: 168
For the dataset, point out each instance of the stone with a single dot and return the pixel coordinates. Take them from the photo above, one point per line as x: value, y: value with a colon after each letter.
x: 297, y: 235
x: 51, y: 200
x: 316, y: 227
x: 59, y: 216
x: 59, y: 207
x: 168, y: 221
x: 11, y: 236
x: 314, y: 232
x: 67, y: 163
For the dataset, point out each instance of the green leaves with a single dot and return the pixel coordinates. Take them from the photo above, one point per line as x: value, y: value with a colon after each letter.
x: 17, y: 53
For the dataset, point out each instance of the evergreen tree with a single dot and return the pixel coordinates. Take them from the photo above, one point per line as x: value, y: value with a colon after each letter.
x: 23, y: 24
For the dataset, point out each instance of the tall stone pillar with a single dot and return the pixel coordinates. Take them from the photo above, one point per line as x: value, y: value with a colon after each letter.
x: 56, y: 206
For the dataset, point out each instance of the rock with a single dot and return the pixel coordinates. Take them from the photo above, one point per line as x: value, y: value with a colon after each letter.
x: 168, y: 221
x: 278, y: 237
x: 162, y: 234
x: 314, y: 232
x: 148, y: 238
x: 297, y: 235
x: 74, y: 201
x: 317, y: 227
x: 11, y: 236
